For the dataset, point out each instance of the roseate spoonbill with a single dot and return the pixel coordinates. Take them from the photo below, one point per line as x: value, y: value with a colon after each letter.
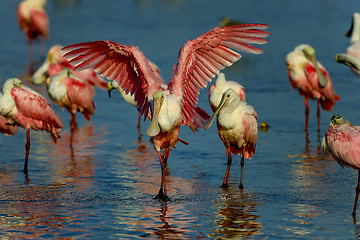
x: 221, y: 85
x: 34, y: 22
x: 237, y: 125
x: 342, y: 140
x: 199, y: 61
x: 55, y: 62
x: 7, y: 128
x: 130, y: 98
x: 23, y: 106
x: 70, y: 92
x: 354, y: 34
x: 311, y: 79
x: 349, y: 60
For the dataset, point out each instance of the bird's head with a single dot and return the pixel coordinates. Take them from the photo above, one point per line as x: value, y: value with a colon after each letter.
x: 158, y: 100
x: 337, y: 119
x: 10, y: 83
x: 111, y: 85
x: 228, y: 97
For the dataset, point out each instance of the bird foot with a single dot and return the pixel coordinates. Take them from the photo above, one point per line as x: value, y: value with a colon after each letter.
x: 241, y: 186
x: 224, y: 185
x: 162, y: 196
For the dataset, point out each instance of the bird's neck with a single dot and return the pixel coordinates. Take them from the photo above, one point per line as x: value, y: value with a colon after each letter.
x: 355, y: 36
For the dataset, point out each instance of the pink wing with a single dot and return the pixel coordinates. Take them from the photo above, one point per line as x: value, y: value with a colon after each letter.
x: 327, y: 94
x: 35, y: 109
x: 127, y: 65
x: 202, y: 59
x: 80, y: 94
x: 344, y: 144
x: 40, y: 21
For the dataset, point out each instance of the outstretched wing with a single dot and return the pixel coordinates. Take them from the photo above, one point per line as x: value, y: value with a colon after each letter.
x: 202, y: 59
x: 127, y: 65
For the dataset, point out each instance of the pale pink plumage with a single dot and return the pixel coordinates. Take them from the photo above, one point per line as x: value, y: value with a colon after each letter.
x: 33, y: 20
x: 23, y: 106
x: 354, y: 34
x: 237, y: 126
x: 75, y: 95
x: 199, y: 61
x: 342, y: 139
x: 304, y: 77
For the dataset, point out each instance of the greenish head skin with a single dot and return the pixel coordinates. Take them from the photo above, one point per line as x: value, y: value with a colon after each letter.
x: 309, y: 53
x: 337, y: 119
x: 10, y: 83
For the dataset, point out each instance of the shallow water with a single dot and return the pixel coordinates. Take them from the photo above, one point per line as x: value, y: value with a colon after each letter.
x: 99, y: 181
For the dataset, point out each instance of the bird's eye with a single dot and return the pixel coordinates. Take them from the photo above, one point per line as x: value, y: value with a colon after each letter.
x: 228, y: 95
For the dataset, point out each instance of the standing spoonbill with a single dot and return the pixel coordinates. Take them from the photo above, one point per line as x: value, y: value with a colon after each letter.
x: 199, y: 60
x: 237, y: 125
x: 354, y: 34
x: 23, y: 106
x: 70, y: 92
x: 130, y: 98
x: 311, y: 79
x: 342, y: 140
x: 221, y: 85
x: 55, y: 62
x: 34, y: 22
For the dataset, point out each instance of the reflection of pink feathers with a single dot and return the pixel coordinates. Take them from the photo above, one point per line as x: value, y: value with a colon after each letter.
x: 6, y: 128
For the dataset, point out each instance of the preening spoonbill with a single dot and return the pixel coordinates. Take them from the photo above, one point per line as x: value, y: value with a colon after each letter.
x: 354, y: 34
x: 199, y: 61
x: 55, y: 62
x: 70, y: 92
x: 33, y: 20
x: 221, y: 85
x: 342, y: 140
x: 311, y: 79
x: 237, y: 125
x: 23, y: 106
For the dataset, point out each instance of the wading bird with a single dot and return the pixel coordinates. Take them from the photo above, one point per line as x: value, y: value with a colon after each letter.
x: 237, y: 124
x: 70, y: 92
x: 34, y: 22
x: 199, y: 61
x: 221, y: 85
x: 55, y: 62
x: 311, y: 79
x: 23, y: 106
x: 342, y: 140
x: 354, y: 34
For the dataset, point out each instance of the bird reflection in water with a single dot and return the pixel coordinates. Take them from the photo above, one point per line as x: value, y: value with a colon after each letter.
x: 236, y: 216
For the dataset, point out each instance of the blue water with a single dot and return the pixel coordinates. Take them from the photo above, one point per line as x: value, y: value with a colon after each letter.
x: 99, y: 181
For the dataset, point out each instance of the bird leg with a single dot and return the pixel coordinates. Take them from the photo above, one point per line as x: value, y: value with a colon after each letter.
x: 306, y: 113
x: 162, y: 195
x: 27, y: 149
x: 241, y: 186
x: 229, y: 161
x: 318, y: 115
x: 73, y: 120
x: 357, y: 194
x: 138, y: 124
